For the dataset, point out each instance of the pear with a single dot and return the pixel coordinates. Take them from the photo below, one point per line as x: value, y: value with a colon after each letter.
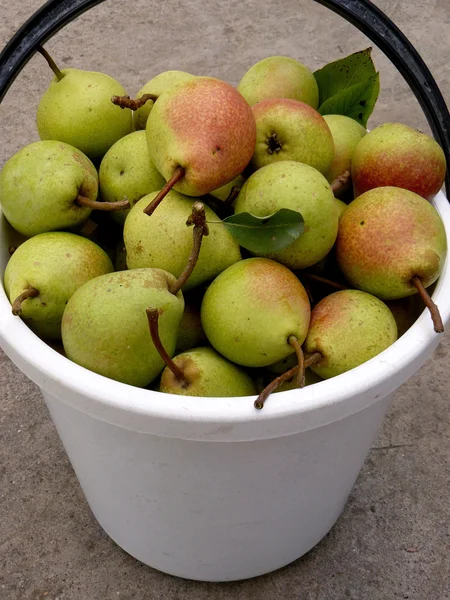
x: 340, y: 207
x: 54, y: 265
x: 396, y: 155
x: 105, y: 327
x: 391, y: 243
x: 206, y: 374
x: 190, y: 330
x: 279, y: 77
x: 386, y: 237
x: 291, y: 130
x: 223, y: 192
x: 299, y: 187
x: 164, y: 241
x: 201, y: 135
x: 156, y: 86
x: 251, y: 310
x: 40, y: 185
x: 127, y: 172
x: 348, y: 328
x: 77, y: 109
x: 347, y: 133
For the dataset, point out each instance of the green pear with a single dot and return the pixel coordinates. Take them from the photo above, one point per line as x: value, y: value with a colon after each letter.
x: 279, y: 77
x: 77, y: 109
x: 252, y: 308
x: 127, y: 172
x: 159, y: 84
x: 387, y: 237
x: 53, y: 264
x: 348, y: 328
x: 291, y: 130
x: 396, y: 155
x: 302, y: 188
x: 340, y: 206
x: 347, y: 133
x: 165, y: 242
x: 223, y: 192
x: 40, y: 184
x: 204, y: 127
x: 208, y: 374
x: 105, y: 326
x: 190, y: 330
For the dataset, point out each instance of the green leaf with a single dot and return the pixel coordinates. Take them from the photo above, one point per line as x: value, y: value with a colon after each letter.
x: 264, y: 235
x: 356, y: 102
x: 344, y: 73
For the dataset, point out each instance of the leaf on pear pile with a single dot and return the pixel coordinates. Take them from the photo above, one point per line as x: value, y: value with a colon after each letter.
x: 356, y: 102
x: 264, y: 235
x: 349, y: 86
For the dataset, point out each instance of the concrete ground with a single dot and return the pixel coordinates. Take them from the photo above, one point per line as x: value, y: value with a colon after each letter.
x: 393, y: 539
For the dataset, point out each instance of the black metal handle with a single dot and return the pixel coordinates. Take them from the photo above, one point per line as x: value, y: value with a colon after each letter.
x: 55, y: 14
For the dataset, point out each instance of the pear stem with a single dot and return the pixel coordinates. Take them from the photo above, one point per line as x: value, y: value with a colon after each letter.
x: 105, y: 206
x: 300, y: 376
x: 127, y: 102
x: 178, y: 174
x: 298, y: 372
x: 434, y: 310
x: 234, y: 193
x: 340, y: 181
x: 334, y: 284
x: 313, y: 359
x: 12, y: 249
x: 17, y: 304
x: 153, y: 319
x: 51, y: 63
x: 198, y: 219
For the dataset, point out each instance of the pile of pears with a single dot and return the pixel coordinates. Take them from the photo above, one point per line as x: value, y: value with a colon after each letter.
x: 130, y: 269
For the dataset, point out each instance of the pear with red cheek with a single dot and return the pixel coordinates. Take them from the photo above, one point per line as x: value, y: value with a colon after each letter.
x: 392, y: 243
x: 253, y: 310
x: 201, y: 134
x: 291, y: 130
x: 396, y: 155
x: 347, y: 328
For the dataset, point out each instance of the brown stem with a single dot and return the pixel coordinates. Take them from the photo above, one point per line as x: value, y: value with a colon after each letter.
x: 198, y: 219
x: 153, y: 318
x: 434, y: 310
x: 313, y: 359
x: 178, y: 174
x: 260, y: 400
x: 127, y: 102
x: 51, y: 63
x: 300, y: 376
x: 234, y: 193
x: 340, y: 181
x: 17, y: 304
x: 335, y: 284
x: 105, y: 206
x: 12, y: 249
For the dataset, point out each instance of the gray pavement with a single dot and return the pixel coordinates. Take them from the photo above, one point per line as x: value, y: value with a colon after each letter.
x: 393, y: 539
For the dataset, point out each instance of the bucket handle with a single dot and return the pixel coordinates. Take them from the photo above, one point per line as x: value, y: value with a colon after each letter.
x: 363, y: 14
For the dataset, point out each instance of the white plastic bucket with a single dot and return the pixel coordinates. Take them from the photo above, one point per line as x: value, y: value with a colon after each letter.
x: 210, y: 488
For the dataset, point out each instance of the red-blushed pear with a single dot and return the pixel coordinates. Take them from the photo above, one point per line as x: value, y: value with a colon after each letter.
x: 391, y: 243
x: 291, y: 130
x: 279, y: 77
x: 201, y: 134
x: 396, y: 155
x: 255, y: 312
x: 347, y: 328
